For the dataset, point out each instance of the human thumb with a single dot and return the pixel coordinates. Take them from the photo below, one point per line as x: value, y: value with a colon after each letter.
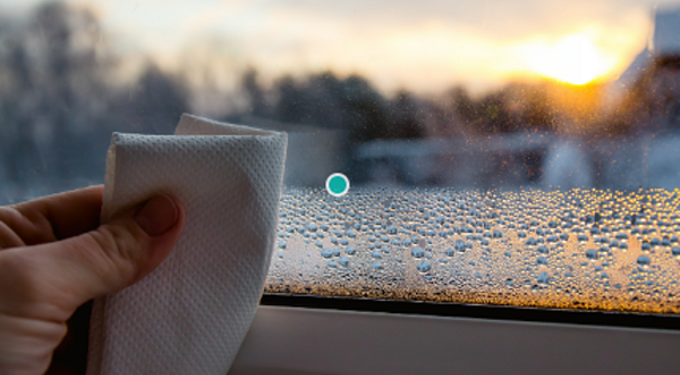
x: 110, y: 258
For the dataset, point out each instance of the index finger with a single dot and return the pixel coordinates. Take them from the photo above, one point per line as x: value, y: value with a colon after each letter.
x: 56, y: 217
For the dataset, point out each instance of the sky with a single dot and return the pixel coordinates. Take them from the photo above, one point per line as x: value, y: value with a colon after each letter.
x: 424, y: 45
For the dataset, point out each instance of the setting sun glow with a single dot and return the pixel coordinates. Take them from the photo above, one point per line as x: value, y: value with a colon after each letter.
x: 573, y: 59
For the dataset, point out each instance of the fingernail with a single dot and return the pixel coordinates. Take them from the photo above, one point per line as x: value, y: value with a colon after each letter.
x: 157, y: 216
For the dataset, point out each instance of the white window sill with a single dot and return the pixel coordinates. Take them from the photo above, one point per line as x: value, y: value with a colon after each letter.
x: 284, y: 340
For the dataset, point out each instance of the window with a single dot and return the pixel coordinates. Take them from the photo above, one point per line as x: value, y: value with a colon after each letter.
x: 500, y: 153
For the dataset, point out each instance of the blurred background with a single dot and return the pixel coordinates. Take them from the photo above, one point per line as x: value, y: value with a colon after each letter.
x: 490, y: 94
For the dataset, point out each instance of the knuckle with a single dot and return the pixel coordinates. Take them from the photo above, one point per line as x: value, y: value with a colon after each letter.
x: 8, y: 213
x: 9, y: 216
x: 121, y: 246
x: 32, y: 226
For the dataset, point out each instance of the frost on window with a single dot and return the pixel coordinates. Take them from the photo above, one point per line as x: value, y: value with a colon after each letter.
x: 577, y: 249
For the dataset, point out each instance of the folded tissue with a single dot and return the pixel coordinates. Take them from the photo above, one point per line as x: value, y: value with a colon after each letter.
x: 191, y: 314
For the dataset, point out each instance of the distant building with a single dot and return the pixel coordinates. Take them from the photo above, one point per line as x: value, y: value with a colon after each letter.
x: 647, y: 94
x: 313, y: 153
x: 665, y: 41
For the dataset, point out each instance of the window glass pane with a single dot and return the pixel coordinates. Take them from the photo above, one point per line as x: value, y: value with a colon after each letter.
x: 517, y: 153
x: 594, y: 249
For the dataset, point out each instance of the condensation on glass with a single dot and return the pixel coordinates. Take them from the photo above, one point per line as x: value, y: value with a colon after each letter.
x: 578, y: 249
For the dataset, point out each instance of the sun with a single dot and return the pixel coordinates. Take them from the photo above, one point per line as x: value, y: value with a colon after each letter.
x: 572, y: 59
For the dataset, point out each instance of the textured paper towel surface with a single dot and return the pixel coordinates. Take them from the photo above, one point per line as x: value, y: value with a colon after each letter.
x: 191, y: 314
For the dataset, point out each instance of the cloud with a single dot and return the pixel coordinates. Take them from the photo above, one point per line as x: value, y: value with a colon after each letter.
x: 426, y: 45
x: 427, y: 56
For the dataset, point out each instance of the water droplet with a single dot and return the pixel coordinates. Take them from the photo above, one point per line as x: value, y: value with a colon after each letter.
x: 424, y: 266
x: 621, y: 236
x: 643, y: 260
x: 591, y: 254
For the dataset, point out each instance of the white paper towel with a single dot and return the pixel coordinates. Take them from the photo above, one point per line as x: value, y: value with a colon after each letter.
x: 191, y: 314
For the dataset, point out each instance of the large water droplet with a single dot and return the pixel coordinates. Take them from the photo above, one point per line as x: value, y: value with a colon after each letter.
x: 424, y: 266
x: 643, y: 260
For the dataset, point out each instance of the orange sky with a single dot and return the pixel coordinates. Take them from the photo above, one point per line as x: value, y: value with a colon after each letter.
x: 424, y: 45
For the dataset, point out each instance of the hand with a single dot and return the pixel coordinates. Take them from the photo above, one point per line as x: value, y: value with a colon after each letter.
x: 54, y: 257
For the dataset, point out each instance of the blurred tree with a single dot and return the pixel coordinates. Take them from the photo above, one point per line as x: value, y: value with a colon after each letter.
x: 17, y: 142
x: 537, y: 112
x: 67, y: 60
x: 323, y: 100
x: 465, y: 107
x: 367, y: 113
x: 329, y: 96
x: 514, y: 107
x: 155, y: 103
x: 54, y: 70
x: 255, y: 93
x: 407, y: 122
x: 495, y: 115
x: 59, y: 102
x: 438, y: 119
x: 489, y: 114
x: 292, y: 101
